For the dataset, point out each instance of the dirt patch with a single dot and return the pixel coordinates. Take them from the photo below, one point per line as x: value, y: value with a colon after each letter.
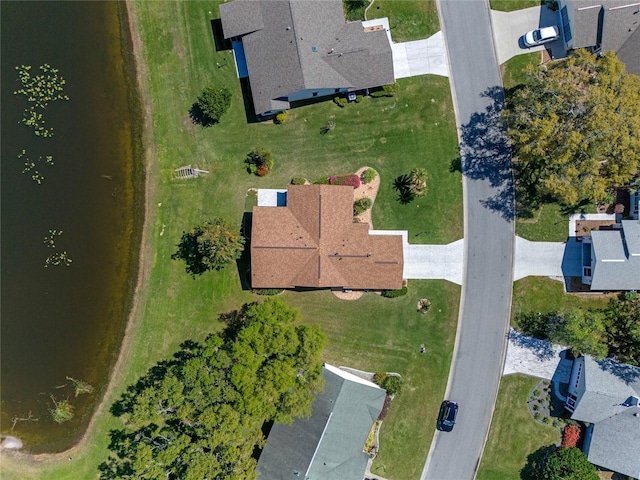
x: 352, y: 295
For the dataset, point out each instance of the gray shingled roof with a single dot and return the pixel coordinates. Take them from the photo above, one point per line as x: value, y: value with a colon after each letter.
x: 329, y: 444
x: 615, y: 443
x: 607, y: 385
x: 617, y: 258
x: 305, y: 45
x: 629, y: 53
x: 617, y: 18
x: 585, y: 26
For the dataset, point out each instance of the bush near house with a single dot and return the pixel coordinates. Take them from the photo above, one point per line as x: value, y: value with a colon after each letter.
x: 340, y: 101
x: 570, y: 436
x: 351, y: 180
x: 298, y: 181
x: 281, y: 117
x: 361, y: 205
x: 368, y: 176
x: 394, y: 293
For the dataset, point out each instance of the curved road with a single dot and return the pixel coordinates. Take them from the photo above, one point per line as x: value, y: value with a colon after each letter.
x: 489, y: 239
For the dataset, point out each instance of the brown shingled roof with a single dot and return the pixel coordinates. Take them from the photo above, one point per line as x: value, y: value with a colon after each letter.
x: 313, y: 242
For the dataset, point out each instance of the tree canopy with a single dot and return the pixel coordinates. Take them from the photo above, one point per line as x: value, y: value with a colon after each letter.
x: 584, y: 332
x: 210, y: 246
x: 569, y: 464
x: 575, y: 129
x: 200, y: 414
x: 211, y: 105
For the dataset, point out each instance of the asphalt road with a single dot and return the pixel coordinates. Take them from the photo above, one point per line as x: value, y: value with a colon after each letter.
x: 489, y: 239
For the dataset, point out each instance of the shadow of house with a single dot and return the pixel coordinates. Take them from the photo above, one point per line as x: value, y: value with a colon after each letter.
x: 244, y: 262
x: 603, y: 26
x: 486, y: 154
x: 293, y: 50
x: 606, y: 394
x: 329, y: 444
x: 221, y: 43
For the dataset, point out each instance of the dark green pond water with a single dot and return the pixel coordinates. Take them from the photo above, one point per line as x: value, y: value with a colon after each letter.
x: 60, y: 321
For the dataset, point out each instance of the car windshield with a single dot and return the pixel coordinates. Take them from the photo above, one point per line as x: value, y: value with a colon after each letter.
x: 536, y: 35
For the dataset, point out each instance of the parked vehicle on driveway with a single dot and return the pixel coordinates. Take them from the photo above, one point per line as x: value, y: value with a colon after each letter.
x: 540, y: 36
x: 447, y: 416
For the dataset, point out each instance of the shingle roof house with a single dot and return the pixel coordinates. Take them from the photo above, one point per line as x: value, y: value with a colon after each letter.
x: 298, y: 49
x: 606, y: 395
x: 613, y: 260
x: 313, y: 242
x: 328, y: 445
x: 603, y: 26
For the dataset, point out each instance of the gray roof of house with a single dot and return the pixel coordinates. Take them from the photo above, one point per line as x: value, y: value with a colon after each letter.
x: 305, y: 45
x: 615, y: 443
x: 607, y: 385
x: 629, y: 53
x: 618, y: 22
x: 617, y: 258
x: 329, y: 444
x: 585, y: 26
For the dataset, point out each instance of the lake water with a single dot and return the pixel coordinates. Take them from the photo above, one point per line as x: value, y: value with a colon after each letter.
x: 60, y: 321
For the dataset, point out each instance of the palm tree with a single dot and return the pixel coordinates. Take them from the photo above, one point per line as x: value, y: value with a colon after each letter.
x: 418, y: 177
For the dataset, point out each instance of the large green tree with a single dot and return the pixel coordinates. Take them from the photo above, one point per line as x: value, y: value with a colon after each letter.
x: 575, y: 129
x: 584, y: 331
x: 210, y: 246
x: 623, y: 326
x: 200, y: 414
x: 569, y: 464
x: 211, y: 105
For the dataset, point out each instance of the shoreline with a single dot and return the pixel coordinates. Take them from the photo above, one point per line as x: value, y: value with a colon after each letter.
x: 136, y: 309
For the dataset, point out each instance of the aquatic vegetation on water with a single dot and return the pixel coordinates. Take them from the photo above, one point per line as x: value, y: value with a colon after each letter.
x: 40, y: 90
x: 80, y: 386
x: 58, y: 258
x: 50, y: 240
x: 62, y: 411
x: 30, y: 166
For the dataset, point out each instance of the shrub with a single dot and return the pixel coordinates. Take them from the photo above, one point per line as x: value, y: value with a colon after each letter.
x: 369, y: 175
x: 211, y: 105
x: 570, y: 436
x: 340, y: 101
x: 536, y: 407
x: 281, y: 117
x: 267, y: 291
x: 359, y: 98
x: 378, y: 378
x: 548, y: 420
x: 298, y: 181
x: 351, y: 180
x: 394, y: 293
x: 321, y: 181
x: 424, y: 305
x: 259, y: 161
x: 392, y: 384
x: 361, y: 205
x: 62, y: 411
x: 619, y: 208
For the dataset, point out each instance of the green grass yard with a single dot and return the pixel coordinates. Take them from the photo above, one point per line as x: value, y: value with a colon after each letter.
x: 514, y: 433
x: 408, y: 20
x: 414, y: 129
x: 512, y: 5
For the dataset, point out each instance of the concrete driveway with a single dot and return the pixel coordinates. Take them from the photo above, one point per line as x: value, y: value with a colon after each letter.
x: 547, y: 259
x: 438, y: 262
x: 509, y: 27
x: 420, y: 57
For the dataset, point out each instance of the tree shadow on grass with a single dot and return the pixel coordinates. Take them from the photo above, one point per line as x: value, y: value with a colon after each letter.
x: 535, y: 463
x: 402, y: 185
x: 486, y: 154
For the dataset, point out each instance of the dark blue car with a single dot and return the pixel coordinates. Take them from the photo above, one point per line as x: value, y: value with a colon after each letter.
x: 447, y: 416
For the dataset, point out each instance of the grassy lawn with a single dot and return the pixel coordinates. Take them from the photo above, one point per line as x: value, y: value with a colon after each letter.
x: 514, y: 433
x: 539, y: 294
x: 549, y: 224
x: 408, y: 20
x: 513, y: 69
x: 414, y: 129
x: 511, y: 5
